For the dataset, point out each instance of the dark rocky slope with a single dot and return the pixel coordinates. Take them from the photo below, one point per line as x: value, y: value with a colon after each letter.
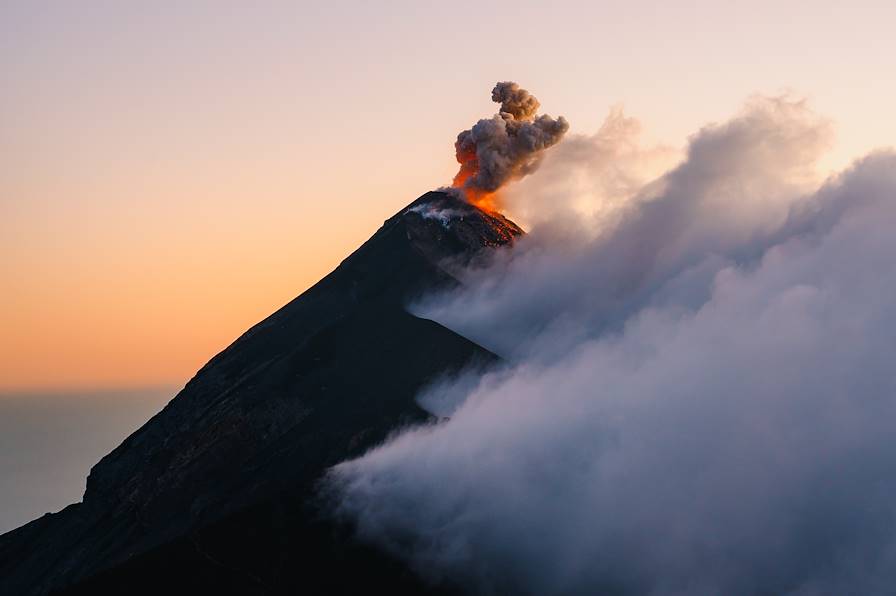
x: 216, y: 492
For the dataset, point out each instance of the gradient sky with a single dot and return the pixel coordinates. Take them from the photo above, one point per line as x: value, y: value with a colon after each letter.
x: 175, y: 171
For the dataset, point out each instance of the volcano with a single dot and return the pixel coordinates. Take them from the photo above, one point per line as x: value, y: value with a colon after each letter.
x: 217, y: 492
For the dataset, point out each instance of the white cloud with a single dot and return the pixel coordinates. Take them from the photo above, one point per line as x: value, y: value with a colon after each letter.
x: 701, y: 392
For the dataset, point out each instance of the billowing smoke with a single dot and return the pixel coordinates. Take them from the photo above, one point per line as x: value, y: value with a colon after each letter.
x: 589, y: 176
x: 506, y: 146
x: 698, y: 395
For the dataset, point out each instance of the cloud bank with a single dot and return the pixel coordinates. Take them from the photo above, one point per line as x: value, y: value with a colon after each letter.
x: 700, y: 392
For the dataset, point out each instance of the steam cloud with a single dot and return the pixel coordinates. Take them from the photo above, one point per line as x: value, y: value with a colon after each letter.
x: 700, y: 391
x: 507, y: 146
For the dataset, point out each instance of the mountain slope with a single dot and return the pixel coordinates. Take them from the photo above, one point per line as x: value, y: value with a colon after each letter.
x: 236, y: 453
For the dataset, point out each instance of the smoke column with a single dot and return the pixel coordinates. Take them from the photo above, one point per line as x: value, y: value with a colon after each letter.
x: 507, y: 146
x: 698, y: 392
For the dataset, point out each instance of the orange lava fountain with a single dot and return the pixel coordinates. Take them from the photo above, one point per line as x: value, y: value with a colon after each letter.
x: 469, y: 165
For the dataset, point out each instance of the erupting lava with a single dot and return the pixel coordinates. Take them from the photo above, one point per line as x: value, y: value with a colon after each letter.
x: 481, y: 198
x: 505, y: 147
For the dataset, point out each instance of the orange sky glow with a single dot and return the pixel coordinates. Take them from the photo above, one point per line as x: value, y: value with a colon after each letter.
x: 176, y: 172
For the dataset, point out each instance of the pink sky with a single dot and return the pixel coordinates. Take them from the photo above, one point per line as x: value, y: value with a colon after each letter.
x: 174, y: 173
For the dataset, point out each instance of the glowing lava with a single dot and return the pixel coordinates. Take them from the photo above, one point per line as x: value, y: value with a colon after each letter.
x: 469, y: 165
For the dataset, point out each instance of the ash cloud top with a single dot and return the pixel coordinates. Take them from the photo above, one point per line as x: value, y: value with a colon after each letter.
x: 698, y: 393
x: 515, y: 101
x: 507, y: 146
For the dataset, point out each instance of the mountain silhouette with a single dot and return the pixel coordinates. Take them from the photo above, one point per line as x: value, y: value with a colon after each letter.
x: 217, y: 492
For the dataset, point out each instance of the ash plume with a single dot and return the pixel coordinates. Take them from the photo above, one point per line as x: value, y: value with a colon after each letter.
x: 507, y: 146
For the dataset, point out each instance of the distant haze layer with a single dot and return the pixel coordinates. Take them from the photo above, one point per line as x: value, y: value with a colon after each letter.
x: 49, y: 442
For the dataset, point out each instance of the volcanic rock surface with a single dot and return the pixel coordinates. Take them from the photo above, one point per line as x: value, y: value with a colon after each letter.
x: 216, y: 493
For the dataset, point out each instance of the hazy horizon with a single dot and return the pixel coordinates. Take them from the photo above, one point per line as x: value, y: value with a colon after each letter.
x: 49, y: 442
